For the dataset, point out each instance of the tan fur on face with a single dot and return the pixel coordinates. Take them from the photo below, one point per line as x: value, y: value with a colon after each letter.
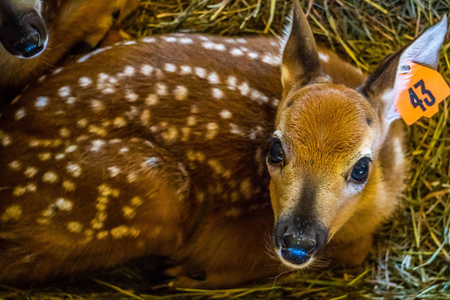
x: 325, y: 131
x: 325, y: 116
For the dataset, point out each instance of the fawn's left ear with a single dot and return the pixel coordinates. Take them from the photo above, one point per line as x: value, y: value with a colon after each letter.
x: 384, y: 86
x: 300, y: 63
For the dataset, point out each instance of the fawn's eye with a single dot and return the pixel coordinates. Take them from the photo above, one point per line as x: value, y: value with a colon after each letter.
x: 276, y: 152
x: 360, y: 170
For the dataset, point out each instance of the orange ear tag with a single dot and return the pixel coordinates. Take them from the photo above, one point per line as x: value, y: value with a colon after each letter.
x: 424, y: 90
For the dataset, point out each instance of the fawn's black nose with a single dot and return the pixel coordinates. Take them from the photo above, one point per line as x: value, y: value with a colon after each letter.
x: 296, y: 248
x: 26, y: 36
x: 29, y: 43
x: 299, y: 238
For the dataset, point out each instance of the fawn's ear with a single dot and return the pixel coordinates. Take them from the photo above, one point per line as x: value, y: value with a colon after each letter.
x: 384, y: 86
x: 300, y: 63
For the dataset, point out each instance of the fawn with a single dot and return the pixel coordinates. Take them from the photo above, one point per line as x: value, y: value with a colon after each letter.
x: 160, y: 147
x: 71, y: 24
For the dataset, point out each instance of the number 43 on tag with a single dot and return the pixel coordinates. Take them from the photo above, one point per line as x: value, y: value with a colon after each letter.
x: 424, y: 90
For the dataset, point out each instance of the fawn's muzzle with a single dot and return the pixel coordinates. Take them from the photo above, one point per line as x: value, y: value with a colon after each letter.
x: 298, y: 239
x: 25, y: 37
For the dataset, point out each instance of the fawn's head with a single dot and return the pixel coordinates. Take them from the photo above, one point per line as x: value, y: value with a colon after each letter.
x: 23, y: 32
x: 323, y: 160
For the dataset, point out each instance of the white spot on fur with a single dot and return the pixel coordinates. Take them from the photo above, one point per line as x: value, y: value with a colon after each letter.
x: 113, y: 171
x: 30, y: 172
x: 19, y: 191
x: 152, y: 99
x: 14, y: 165
x: 45, y: 156
x: 68, y: 185
x: 97, y: 145
x: 194, y: 109
x: 324, y: 57
x: 64, y: 132
x: 50, y: 177
x: 212, y: 130
x: 20, y: 113
x: 170, y: 135
x: 259, y: 97
x: 146, y: 70
x: 13, y: 212
x: 71, y: 148
x: 6, y: 139
x: 74, y: 227
x: 64, y: 204
x: 232, y: 82
x: 131, y: 96
x: 170, y: 39
x: 149, y: 40
x: 186, y: 70
x: 217, y: 93
x: 170, y: 68
x: 41, y: 102
x: 97, y: 105
x: 85, y: 82
x: 60, y: 156
x: 161, y: 89
x: 145, y: 117
x: 200, y: 72
x: 244, y: 89
x: 120, y: 122
x: 235, y: 129
x: 272, y: 59
x: 180, y: 92
x: 236, y: 52
x: 74, y: 169
x: 213, y: 78
x: 186, y: 41
x: 31, y: 188
x: 226, y: 114
x: 253, y: 55
x: 129, y: 71
x: 213, y: 46
x: 132, y: 177
x: 191, y: 121
x: 64, y: 91
x: 152, y: 161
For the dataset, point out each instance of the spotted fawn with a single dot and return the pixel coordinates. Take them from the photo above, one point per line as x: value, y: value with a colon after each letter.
x: 190, y: 147
x: 24, y: 33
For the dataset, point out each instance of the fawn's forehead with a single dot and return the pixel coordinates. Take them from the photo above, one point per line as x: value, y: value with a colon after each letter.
x: 326, y: 123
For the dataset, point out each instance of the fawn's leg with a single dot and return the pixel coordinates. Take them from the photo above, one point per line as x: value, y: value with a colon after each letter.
x: 96, y: 209
x: 228, y: 252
